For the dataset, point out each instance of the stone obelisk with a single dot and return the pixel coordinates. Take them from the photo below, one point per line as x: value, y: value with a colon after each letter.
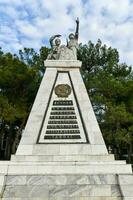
x: 62, y: 154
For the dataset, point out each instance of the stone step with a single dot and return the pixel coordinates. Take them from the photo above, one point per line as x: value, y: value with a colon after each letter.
x: 61, y: 149
x: 46, y: 191
x: 64, y: 163
x: 68, y: 198
x: 100, y: 179
x: 79, y: 157
x: 70, y: 169
x: 72, y: 187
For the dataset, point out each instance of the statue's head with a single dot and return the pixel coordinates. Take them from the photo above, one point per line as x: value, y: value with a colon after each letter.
x: 71, y: 36
x: 57, y: 42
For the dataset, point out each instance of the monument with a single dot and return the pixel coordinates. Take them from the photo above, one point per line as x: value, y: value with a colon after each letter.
x: 62, y: 154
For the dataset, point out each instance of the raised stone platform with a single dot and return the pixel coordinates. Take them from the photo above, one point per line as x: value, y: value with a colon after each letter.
x: 59, y: 187
x: 65, y: 176
x: 72, y: 187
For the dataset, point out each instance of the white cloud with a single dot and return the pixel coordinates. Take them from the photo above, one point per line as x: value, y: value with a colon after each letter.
x: 28, y: 30
x: 30, y: 22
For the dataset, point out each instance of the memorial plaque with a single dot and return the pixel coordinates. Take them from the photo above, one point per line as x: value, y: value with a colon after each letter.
x: 63, y: 103
x: 62, y: 127
x: 62, y: 137
x: 63, y: 117
x: 62, y: 108
x: 62, y: 122
x: 62, y: 132
x: 62, y: 113
x: 63, y: 90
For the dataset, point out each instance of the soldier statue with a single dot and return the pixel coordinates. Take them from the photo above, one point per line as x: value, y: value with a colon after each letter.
x: 55, y: 46
x: 62, y: 52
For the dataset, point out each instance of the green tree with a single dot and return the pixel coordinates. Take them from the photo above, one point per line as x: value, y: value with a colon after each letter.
x: 110, y: 86
x: 34, y: 59
x: 18, y: 87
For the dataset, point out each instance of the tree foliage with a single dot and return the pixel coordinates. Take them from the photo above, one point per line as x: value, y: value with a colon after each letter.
x: 19, y: 82
x: 110, y: 86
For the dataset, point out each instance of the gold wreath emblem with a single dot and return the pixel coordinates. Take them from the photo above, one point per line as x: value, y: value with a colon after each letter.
x: 63, y: 90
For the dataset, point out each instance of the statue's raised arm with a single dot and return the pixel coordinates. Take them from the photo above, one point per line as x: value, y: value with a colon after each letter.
x: 77, y: 29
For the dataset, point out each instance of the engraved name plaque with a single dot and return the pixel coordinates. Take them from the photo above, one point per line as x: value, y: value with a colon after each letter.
x: 62, y: 122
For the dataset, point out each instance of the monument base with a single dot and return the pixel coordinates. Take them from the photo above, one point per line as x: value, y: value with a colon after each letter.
x: 62, y: 154
x: 65, y: 176
x: 67, y: 187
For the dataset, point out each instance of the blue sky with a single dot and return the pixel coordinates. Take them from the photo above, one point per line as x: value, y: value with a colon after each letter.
x: 30, y: 23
